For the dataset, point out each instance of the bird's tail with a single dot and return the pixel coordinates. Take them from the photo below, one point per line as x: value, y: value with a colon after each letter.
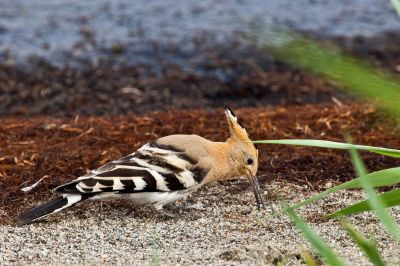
x: 50, y: 207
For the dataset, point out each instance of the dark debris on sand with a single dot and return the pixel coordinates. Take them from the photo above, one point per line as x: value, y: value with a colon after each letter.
x: 247, y: 78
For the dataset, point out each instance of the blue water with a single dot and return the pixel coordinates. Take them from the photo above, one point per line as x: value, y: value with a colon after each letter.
x: 58, y: 30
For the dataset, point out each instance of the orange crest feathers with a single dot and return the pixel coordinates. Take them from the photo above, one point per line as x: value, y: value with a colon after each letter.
x: 238, y: 132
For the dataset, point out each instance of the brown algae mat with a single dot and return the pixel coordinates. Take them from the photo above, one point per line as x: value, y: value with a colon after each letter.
x: 107, y: 89
x: 62, y: 149
x: 213, y: 75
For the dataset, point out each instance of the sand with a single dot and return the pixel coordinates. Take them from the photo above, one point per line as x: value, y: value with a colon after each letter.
x: 214, y: 226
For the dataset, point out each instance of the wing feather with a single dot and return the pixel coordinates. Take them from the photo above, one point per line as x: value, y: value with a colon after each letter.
x: 153, y: 168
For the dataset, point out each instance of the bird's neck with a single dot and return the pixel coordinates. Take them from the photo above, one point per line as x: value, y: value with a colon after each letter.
x: 222, y: 167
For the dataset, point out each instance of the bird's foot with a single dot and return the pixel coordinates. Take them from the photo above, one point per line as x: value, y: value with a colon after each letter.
x: 129, y: 212
x: 183, y: 207
x: 167, y: 213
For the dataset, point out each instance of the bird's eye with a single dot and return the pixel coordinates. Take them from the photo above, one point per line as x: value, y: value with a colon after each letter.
x: 249, y: 161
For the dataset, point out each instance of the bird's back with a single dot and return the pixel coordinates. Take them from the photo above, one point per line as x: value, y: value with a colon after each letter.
x: 158, y: 173
x: 171, y: 163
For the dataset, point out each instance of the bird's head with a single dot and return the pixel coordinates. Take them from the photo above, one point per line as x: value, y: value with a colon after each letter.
x: 243, y: 153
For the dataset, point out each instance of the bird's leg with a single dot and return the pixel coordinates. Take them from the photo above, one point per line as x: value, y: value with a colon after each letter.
x: 166, y: 213
x: 182, y: 205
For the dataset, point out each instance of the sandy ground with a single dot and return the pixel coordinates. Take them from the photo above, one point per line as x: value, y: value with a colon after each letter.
x: 217, y: 226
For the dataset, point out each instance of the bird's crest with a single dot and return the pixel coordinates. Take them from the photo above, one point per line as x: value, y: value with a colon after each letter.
x: 237, y: 130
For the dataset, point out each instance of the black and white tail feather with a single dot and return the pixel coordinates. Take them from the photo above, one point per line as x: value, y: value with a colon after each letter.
x: 50, y: 207
x: 155, y: 174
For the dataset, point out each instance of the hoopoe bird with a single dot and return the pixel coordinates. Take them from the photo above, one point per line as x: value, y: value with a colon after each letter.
x: 162, y: 171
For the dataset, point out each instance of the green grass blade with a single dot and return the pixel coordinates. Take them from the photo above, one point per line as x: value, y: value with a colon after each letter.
x: 390, y: 199
x: 355, y: 76
x: 308, y: 259
x: 155, y: 261
x: 376, y: 202
x: 327, y: 254
x: 387, y: 177
x: 396, y: 5
x: 331, y: 145
x: 367, y: 246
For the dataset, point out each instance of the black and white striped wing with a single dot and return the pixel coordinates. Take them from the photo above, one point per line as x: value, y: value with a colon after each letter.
x: 152, y: 168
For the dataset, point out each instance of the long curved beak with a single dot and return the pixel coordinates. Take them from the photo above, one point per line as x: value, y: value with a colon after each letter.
x: 256, y: 188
